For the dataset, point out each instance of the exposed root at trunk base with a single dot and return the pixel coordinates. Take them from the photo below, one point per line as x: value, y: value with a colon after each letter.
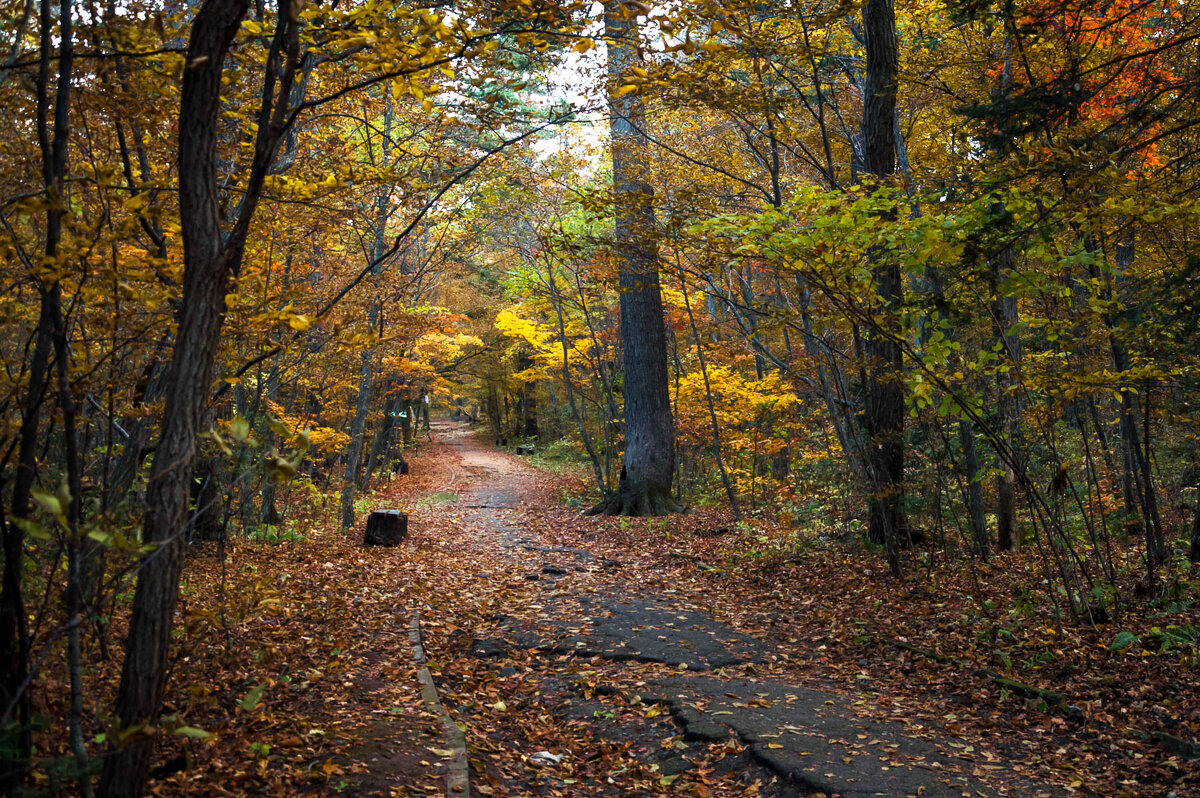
x: 639, y: 503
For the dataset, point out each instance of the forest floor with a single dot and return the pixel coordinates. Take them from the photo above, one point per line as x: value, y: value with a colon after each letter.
x: 598, y: 656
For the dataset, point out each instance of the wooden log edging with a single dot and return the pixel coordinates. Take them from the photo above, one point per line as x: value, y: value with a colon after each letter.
x: 458, y: 783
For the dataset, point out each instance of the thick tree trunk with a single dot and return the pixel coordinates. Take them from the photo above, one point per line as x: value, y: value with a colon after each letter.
x: 205, y: 522
x: 644, y: 487
x: 15, y: 740
x: 884, y: 389
x: 206, y: 281
x: 210, y: 257
x: 386, y: 528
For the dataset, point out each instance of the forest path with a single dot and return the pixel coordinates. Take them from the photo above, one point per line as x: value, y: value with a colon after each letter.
x: 578, y: 673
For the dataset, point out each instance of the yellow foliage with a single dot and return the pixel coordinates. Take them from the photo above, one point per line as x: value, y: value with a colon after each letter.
x: 320, y: 438
x: 513, y: 326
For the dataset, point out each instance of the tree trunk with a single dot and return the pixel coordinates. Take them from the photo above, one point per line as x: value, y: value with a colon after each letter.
x: 405, y: 415
x: 357, y: 431
x: 16, y: 739
x: 382, y: 440
x: 884, y: 388
x: 210, y: 257
x: 644, y: 487
x: 979, y: 530
x: 386, y: 528
x: 1136, y: 447
x: 268, y: 514
x: 1194, y: 549
x: 205, y: 522
x: 72, y: 595
x: 528, y: 402
x: 1008, y: 403
x: 1004, y: 319
x: 359, y: 424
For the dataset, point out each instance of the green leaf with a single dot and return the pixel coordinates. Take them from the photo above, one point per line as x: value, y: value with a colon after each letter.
x: 252, y: 698
x: 239, y: 428
x: 1124, y: 641
x: 194, y: 733
x: 278, y: 427
x: 31, y: 528
x: 48, y: 501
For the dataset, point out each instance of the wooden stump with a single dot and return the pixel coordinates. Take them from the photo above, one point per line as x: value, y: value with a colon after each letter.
x: 524, y: 448
x: 386, y: 528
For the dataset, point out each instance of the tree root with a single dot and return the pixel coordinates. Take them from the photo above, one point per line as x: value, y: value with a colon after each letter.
x: 1054, y: 700
x: 638, y: 504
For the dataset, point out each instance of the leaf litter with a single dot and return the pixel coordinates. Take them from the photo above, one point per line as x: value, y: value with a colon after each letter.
x: 302, y: 682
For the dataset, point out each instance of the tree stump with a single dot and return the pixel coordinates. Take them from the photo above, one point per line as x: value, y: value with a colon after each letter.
x: 525, y: 448
x: 386, y: 528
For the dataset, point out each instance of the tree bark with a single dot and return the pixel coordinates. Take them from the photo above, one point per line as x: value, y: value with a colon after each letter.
x: 1008, y: 404
x: 357, y: 431
x: 884, y: 389
x: 72, y: 595
x: 210, y: 257
x: 966, y: 431
x: 406, y: 423
x: 381, y: 442
x: 644, y: 487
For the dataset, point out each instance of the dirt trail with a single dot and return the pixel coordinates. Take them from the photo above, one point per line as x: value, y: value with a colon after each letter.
x: 578, y: 674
